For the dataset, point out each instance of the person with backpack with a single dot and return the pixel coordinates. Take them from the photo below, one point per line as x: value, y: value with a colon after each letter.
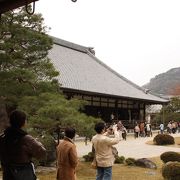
x: 17, y: 149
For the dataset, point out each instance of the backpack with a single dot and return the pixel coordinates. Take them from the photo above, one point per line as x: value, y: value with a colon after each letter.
x: 16, y: 171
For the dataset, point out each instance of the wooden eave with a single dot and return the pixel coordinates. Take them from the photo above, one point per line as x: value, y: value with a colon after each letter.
x: 75, y: 91
x: 6, y: 5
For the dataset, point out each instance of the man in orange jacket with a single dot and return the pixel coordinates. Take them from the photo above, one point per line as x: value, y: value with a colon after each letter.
x: 67, y: 159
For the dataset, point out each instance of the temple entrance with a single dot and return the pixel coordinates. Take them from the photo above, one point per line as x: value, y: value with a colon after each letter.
x: 127, y: 116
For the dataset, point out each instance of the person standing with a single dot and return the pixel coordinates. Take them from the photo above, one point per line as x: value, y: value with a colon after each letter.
x: 17, y: 149
x: 169, y: 127
x: 148, y: 129
x: 174, y: 127
x: 136, y: 131
x: 142, y: 129
x: 103, y: 150
x: 120, y: 129
x: 67, y: 159
x: 124, y: 133
x: 161, y: 127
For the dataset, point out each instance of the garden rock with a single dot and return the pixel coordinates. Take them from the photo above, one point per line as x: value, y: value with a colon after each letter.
x: 146, y: 163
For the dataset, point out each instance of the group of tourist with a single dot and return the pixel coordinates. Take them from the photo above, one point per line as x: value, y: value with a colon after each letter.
x: 122, y: 131
x: 17, y: 148
x: 143, y: 129
x: 173, y: 127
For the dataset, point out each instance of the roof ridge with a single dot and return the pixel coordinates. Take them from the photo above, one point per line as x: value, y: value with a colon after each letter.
x: 69, y: 44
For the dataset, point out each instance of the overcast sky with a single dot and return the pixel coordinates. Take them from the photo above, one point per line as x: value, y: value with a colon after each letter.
x: 137, y: 38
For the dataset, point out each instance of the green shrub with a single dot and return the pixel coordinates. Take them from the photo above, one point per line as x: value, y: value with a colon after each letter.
x: 163, y: 139
x: 89, y: 157
x: 86, y: 158
x: 171, y: 171
x: 170, y: 156
x: 130, y: 161
x: 119, y: 159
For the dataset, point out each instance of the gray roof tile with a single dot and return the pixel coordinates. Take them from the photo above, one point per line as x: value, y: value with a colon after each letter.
x: 81, y: 70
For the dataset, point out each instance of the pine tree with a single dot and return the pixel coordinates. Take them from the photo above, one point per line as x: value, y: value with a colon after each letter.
x: 27, y: 77
x: 24, y: 65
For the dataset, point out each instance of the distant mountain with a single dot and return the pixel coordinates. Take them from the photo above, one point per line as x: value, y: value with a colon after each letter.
x: 164, y: 83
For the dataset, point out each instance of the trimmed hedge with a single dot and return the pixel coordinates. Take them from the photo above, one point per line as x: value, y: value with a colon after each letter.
x: 163, y: 139
x: 119, y: 160
x: 171, y: 171
x: 170, y: 156
x: 89, y: 157
x: 130, y: 161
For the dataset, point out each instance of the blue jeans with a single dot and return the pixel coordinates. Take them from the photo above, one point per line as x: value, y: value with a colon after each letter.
x: 104, y: 173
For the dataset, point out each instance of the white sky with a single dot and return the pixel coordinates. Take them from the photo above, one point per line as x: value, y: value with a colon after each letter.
x: 137, y: 38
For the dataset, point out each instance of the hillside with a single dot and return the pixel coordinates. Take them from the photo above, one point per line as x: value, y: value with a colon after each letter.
x: 164, y: 83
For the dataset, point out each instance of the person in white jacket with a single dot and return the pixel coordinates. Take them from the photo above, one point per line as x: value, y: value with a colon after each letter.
x: 103, y: 150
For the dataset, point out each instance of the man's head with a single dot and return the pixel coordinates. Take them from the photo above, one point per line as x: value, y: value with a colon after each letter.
x: 99, y: 127
x: 70, y: 132
x: 17, y: 119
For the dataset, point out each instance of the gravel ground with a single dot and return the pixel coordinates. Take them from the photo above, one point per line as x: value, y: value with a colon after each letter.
x: 135, y: 148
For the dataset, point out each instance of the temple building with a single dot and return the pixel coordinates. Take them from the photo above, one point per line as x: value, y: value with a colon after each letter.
x: 108, y: 94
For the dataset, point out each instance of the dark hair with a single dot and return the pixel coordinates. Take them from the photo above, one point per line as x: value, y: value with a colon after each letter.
x: 17, y: 119
x: 70, y: 132
x: 99, y: 127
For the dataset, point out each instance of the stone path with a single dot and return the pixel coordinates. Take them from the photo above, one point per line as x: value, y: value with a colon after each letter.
x: 135, y: 148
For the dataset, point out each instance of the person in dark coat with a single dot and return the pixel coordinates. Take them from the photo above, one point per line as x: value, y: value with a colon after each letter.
x: 17, y: 149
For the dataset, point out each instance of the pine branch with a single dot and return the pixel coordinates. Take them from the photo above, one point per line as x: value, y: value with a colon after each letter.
x: 21, y: 80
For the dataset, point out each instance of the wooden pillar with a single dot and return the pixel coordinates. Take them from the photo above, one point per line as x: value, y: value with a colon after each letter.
x: 129, y: 113
x: 116, y: 109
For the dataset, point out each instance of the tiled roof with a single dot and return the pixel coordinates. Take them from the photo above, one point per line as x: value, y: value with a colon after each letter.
x: 81, y: 70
